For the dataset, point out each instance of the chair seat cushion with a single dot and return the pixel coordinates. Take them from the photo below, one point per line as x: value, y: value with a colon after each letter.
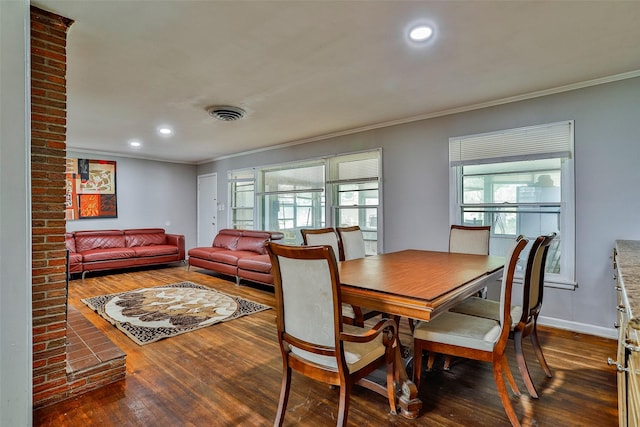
x: 460, y: 330
x: 489, y: 309
x: 357, y: 355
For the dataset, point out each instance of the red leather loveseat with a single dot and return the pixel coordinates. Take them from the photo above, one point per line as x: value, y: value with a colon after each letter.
x: 238, y: 253
x: 97, y: 250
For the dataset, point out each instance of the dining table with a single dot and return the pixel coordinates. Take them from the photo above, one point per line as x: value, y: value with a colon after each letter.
x: 418, y: 284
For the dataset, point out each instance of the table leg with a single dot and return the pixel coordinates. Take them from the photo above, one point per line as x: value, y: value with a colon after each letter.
x: 410, y: 404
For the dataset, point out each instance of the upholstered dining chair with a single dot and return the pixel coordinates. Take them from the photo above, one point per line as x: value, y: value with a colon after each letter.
x: 322, y: 236
x: 352, y: 243
x: 464, y: 239
x: 312, y: 337
x: 469, y: 239
x: 472, y: 337
x: 524, y: 317
x: 353, y: 315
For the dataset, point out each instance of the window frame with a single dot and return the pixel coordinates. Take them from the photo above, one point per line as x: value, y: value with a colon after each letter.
x: 334, y: 182
x: 329, y: 191
x: 232, y: 181
x: 567, y: 278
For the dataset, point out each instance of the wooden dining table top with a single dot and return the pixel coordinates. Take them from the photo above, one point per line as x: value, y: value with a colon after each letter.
x: 415, y: 283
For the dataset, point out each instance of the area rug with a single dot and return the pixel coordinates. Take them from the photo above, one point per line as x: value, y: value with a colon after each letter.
x: 151, y: 314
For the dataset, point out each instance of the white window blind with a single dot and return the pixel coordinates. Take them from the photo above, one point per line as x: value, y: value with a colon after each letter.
x: 306, y: 177
x: 359, y: 167
x: 554, y: 140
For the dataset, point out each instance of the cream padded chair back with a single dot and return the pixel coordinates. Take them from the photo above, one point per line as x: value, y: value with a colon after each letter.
x: 308, y: 305
x: 469, y: 240
x: 535, y: 274
x: 321, y: 237
x: 352, y: 242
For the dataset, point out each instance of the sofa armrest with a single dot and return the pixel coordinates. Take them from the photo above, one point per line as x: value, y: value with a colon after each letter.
x: 177, y: 240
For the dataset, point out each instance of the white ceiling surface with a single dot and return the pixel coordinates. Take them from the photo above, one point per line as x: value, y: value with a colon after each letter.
x: 306, y: 69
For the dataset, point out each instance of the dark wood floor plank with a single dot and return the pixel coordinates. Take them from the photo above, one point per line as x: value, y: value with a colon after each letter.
x: 229, y: 375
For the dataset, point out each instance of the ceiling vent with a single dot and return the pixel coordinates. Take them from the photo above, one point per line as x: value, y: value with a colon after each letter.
x: 226, y: 113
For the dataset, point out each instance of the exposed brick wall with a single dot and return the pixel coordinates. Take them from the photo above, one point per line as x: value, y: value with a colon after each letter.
x: 51, y: 381
x: 48, y: 152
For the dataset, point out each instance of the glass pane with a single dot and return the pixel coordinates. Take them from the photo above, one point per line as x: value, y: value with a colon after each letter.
x: 244, y: 199
x: 496, y: 184
x: 243, y: 214
x: 301, y: 178
x: 366, y: 219
x: 290, y: 212
x: 358, y: 194
x: 242, y: 202
x: 505, y: 223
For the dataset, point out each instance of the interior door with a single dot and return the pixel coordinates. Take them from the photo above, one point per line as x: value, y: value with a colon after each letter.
x: 207, y: 208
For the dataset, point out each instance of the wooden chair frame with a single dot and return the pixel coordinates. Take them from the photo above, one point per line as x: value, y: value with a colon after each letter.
x: 341, y: 376
x: 497, y: 356
x: 341, y: 231
x: 360, y: 315
x: 526, y: 325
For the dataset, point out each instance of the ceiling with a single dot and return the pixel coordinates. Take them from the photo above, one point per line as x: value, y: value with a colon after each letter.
x: 304, y: 70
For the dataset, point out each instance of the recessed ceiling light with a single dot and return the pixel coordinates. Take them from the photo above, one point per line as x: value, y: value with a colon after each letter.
x: 165, y: 131
x: 135, y: 143
x: 420, y: 33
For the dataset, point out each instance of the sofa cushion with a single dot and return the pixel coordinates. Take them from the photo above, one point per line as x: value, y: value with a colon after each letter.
x: 225, y: 257
x: 204, y: 252
x: 70, y: 242
x: 102, y: 239
x: 260, y: 263
x: 226, y: 241
x: 154, y: 250
x: 75, y: 263
x: 229, y: 257
x: 75, y: 258
x: 145, y: 237
x: 253, y: 244
x: 108, y: 254
x: 265, y: 235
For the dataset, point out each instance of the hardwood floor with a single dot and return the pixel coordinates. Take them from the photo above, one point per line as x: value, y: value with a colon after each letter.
x: 229, y: 375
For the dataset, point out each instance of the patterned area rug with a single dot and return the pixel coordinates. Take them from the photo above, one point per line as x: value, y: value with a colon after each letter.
x: 151, y: 314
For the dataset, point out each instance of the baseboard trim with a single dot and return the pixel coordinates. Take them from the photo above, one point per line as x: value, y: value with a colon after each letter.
x: 578, y: 327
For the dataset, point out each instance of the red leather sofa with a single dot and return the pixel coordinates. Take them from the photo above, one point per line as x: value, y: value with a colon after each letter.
x: 238, y: 253
x: 96, y: 250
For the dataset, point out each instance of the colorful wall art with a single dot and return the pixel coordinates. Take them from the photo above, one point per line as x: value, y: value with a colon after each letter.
x: 90, y: 189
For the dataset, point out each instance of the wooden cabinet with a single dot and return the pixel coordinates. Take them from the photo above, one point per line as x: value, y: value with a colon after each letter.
x: 627, y: 267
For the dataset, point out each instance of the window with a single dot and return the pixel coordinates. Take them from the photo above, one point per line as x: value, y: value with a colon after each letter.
x: 519, y: 181
x: 292, y: 196
x: 354, y: 181
x: 242, y: 199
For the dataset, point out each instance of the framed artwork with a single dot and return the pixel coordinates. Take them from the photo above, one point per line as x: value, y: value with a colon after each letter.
x: 90, y: 189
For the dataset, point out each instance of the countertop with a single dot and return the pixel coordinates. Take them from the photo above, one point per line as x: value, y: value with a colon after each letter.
x: 628, y: 263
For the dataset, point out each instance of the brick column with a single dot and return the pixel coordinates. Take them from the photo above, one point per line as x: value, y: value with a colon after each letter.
x: 48, y: 152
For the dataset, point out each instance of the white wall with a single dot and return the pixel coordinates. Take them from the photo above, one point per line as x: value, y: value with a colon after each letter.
x: 416, y: 193
x: 15, y: 218
x: 150, y: 194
